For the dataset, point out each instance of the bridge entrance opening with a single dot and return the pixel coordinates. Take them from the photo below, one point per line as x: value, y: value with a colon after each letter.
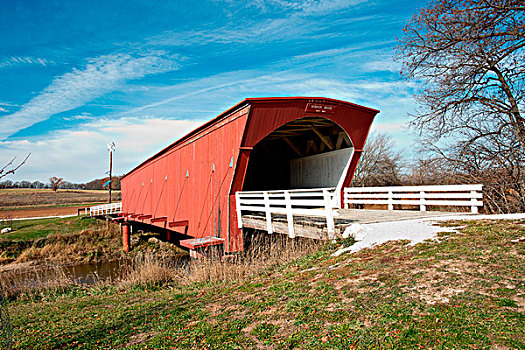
x: 311, y: 152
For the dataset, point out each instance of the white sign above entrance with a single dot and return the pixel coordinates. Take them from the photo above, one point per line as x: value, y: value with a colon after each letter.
x: 319, y: 108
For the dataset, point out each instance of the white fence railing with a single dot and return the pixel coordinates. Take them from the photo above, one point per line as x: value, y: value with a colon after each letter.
x: 106, y: 209
x: 439, y: 195
x: 309, y: 202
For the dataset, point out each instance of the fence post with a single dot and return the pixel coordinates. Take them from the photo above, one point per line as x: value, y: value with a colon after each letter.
x: 238, y: 208
x: 390, y: 200
x: 329, y: 214
x: 345, y: 203
x: 269, y: 226
x: 289, y: 214
x: 422, y: 206
x: 474, y: 207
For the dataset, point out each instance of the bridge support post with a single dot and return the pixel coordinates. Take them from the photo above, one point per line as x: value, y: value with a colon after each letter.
x: 125, y: 237
x: 168, y: 235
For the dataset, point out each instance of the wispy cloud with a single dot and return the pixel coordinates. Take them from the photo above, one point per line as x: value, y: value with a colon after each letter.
x: 100, y: 76
x: 80, y: 154
x: 317, y: 7
x: 383, y: 65
x: 13, y: 61
x: 299, y: 7
x: 83, y: 116
x: 290, y: 19
x: 6, y: 107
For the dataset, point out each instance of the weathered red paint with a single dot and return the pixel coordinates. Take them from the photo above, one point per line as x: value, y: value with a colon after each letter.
x: 193, y: 181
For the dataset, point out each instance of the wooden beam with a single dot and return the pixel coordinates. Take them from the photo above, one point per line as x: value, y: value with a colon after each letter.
x: 159, y: 219
x: 310, y: 145
x: 342, y: 137
x: 180, y: 223
x: 292, y: 146
x: 194, y: 243
x: 143, y: 217
x: 325, y: 140
x: 346, y: 138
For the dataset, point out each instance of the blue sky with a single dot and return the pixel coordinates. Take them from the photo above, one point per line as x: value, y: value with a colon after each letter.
x: 76, y: 75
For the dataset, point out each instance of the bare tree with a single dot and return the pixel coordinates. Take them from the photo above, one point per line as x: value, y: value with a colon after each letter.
x: 56, y: 182
x: 380, y: 163
x: 470, y: 59
x: 430, y: 171
x: 6, y: 170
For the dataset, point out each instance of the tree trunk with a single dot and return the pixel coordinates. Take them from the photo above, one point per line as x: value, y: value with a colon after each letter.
x: 517, y: 121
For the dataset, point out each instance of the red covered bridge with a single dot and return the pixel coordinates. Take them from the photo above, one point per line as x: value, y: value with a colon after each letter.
x: 259, y: 144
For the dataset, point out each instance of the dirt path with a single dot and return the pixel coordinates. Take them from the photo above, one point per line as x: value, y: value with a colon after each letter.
x: 41, y: 212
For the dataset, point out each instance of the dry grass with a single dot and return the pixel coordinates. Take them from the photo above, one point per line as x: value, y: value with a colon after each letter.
x: 148, y: 268
x: 85, y: 246
x: 152, y: 268
x: 35, y: 282
x: 264, y: 252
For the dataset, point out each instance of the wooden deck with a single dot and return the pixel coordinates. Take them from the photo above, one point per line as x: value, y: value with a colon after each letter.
x: 315, y: 226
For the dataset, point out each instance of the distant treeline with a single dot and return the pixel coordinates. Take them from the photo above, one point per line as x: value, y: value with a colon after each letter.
x: 92, y: 185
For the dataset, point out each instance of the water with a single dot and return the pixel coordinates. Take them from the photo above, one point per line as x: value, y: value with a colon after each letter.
x: 81, y: 274
x: 89, y: 274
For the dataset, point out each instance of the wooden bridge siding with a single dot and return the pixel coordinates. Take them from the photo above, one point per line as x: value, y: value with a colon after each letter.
x: 184, y: 198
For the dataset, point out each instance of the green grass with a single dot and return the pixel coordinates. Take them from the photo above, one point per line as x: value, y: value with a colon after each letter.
x: 465, y: 291
x: 30, y: 230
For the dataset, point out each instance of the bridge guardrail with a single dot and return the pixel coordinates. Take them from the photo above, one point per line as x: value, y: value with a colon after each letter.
x: 438, y: 195
x: 307, y: 202
x: 106, y: 209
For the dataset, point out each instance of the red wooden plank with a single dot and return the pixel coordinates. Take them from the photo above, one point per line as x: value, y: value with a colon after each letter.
x: 143, y: 217
x: 180, y: 223
x: 159, y: 219
x: 195, y: 243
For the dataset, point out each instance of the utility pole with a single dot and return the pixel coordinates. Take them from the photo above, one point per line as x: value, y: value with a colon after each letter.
x: 111, y: 149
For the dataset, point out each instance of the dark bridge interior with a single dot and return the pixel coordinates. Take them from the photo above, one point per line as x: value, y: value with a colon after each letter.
x: 269, y: 165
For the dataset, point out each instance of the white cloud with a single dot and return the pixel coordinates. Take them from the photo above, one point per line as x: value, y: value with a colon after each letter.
x: 80, y: 155
x: 300, y: 7
x: 383, y: 65
x: 390, y: 127
x: 71, y: 90
x: 317, y: 7
x: 289, y: 21
x: 83, y: 116
x: 14, y: 61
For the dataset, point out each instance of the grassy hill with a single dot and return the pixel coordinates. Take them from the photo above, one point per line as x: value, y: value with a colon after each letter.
x: 466, y: 290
